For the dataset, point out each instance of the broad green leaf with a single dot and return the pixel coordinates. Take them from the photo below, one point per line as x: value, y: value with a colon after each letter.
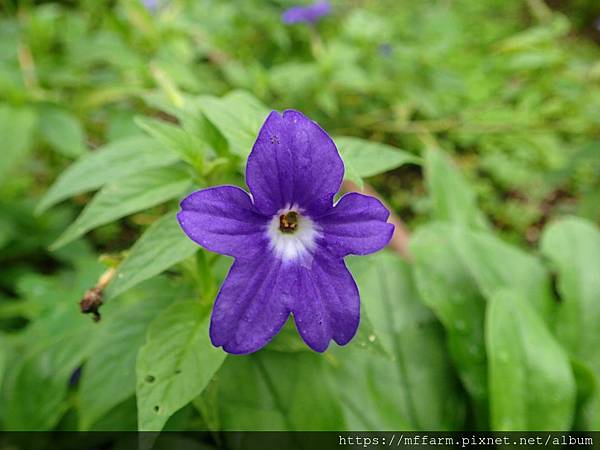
x: 372, y: 391
x: 446, y: 286
x: 110, y: 163
x: 453, y: 200
x: 62, y: 131
x: 532, y: 386
x: 495, y: 264
x: 238, y: 116
x: 425, y: 393
x: 109, y: 375
x: 175, y: 364
x: 364, y: 158
x: 573, y: 247
x: 273, y: 391
x: 127, y: 196
x: 188, y: 146
x: 16, y: 130
x: 162, y: 245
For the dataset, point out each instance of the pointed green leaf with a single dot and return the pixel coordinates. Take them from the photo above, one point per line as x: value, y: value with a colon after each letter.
x: 109, y: 375
x: 188, y: 146
x: 162, y: 245
x: 238, y: 116
x: 364, y: 158
x: 127, y: 196
x: 175, y: 365
x: 110, y: 163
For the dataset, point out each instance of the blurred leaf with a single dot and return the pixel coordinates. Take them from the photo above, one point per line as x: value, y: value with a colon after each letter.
x: 162, y: 245
x: 63, y: 131
x: 238, y: 116
x: 409, y: 333
x: 176, y: 363
x: 48, y: 351
x: 109, y: 376
x: 364, y: 158
x: 446, y: 286
x: 127, y: 196
x: 573, y: 246
x: 4, y: 348
x: 122, y: 417
x: 531, y: 383
x: 189, y: 147
x: 452, y: 197
x: 280, y: 391
x: 110, y: 163
x: 16, y: 129
x: 495, y: 265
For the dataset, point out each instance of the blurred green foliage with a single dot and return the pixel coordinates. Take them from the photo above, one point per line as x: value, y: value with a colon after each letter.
x: 478, y: 122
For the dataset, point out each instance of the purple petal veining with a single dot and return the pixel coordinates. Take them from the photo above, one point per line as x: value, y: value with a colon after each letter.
x: 288, y: 239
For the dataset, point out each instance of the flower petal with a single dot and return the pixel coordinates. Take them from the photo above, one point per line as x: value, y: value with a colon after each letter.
x: 252, y: 306
x: 356, y: 225
x: 327, y: 304
x: 223, y: 219
x: 293, y: 161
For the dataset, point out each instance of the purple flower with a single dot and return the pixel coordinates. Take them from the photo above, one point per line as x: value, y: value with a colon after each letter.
x: 288, y: 239
x: 151, y: 5
x: 306, y: 14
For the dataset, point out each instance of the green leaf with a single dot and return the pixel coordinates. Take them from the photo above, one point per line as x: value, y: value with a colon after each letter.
x: 127, y: 196
x: 109, y: 375
x: 188, y: 146
x: 238, y: 116
x: 162, y: 245
x: 531, y: 383
x: 16, y: 129
x: 495, y: 265
x: 4, y: 348
x: 573, y: 247
x: 421, y: 389
x: 34, y: 395
x: 279, y: 391
x: 62, y: 131
x: 175, y: 365
x: 446, y: 286
x: 452, y: 198
x: 364, y: 158
x: 110, y: 163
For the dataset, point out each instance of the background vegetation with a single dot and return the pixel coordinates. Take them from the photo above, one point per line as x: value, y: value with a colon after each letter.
x: 478, y: 122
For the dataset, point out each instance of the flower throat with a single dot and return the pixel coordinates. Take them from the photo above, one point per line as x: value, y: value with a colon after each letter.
x: 288, y: 223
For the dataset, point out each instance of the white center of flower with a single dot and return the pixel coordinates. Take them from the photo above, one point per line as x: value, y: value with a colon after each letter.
x: 291, y: 234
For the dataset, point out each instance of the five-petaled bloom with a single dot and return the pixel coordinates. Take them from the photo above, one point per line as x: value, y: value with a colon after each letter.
x: 288, y: 239
x: 310, y: 14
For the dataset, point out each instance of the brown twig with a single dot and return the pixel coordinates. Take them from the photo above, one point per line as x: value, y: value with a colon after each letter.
x: 92, y: 299
x: 399, y: 241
